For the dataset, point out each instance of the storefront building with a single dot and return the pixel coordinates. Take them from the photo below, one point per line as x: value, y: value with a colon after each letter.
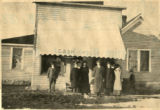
x: 73, y: 30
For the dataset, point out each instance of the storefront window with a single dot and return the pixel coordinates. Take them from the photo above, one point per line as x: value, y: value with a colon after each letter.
x: 48, y: 59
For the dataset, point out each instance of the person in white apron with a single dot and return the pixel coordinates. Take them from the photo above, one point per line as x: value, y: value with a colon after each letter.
x: 118, y: 82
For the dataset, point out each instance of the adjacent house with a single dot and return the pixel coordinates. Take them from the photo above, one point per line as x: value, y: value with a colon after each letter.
x: 17, y: 59
x: 142, y: 55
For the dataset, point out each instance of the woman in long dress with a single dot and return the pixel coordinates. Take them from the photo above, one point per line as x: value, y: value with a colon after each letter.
x: 84, y: 88
x: 98, y: 74
x: 118, y: 82
x: 79, y: 75
x: 109, y: 79
x: 74, y: 77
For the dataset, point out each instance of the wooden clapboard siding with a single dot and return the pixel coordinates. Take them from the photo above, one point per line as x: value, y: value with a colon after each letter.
x: 140, y: 41
x: 16, y: 75
x: 36, y: 72
x: 42, y: 82
x: 28, y: 60
x: 71, y: 14
x: 6, y: 54
x: 25, y: 72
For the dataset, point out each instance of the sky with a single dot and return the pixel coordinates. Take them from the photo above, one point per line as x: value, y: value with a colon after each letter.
x: 18, y: 16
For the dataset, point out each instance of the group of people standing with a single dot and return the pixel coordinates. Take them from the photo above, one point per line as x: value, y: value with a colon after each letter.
x: 106, y: 78
x: 79, y: 77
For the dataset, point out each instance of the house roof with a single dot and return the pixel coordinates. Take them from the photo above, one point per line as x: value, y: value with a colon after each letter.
x: 82, y: 5
x: 131, y: 36
x: 139, y: 15
x: 27, y: 39
x: 86, y: 2
x: 132, y: 22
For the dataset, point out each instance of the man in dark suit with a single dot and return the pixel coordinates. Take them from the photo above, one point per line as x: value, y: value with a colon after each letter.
x: 52, y: 75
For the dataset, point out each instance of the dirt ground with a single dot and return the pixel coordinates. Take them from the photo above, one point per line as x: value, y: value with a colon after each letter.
x: 16, y: 97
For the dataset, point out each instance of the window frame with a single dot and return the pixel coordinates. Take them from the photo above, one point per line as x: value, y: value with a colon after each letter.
x: 138, y: 59
x: 11, y: 58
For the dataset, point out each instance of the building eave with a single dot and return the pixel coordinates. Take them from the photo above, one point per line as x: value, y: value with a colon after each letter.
x: 82, y: 5
x: 137, y: 19
x: 14, y: 44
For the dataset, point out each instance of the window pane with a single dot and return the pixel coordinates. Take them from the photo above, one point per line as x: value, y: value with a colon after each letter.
x: 17, y: 58
x: 144, y: 61
x: 132, y: 60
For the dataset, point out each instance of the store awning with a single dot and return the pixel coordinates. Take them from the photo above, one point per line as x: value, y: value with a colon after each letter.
x: 76, y: 39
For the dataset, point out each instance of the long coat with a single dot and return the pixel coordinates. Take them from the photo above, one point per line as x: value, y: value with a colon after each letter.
x: 79, y: 77
x: 98, y: 74
x: 74, y: 78
x: 84, y: 80
x: 109, y: 78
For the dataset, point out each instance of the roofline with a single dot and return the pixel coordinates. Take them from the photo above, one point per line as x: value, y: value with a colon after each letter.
x: 82, y: 5
x: 14, y: 44
x: 137, y: 19
x: 17, y: 37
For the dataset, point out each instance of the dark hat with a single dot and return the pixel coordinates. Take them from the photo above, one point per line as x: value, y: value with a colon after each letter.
x: 108, y: 61
x: 98, y: 61
x: 78, y: 62
x: 52, y: 63
x: 84, y: 61
x: 116, y: 66
x: 73, y: 61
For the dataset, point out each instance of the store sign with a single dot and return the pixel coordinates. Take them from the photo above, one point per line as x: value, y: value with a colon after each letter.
x: 77, y: 52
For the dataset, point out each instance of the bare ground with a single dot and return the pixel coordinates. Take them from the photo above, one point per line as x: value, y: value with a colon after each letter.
x: 16, y: 97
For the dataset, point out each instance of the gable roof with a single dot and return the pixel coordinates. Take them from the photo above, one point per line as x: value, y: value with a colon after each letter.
x: 132, y: 22
x: 27, y: 39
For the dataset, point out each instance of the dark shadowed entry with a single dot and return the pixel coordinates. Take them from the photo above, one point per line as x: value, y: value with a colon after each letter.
x: 48, y: 59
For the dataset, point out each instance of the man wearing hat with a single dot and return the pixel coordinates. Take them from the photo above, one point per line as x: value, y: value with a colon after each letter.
x: 52, y: 75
